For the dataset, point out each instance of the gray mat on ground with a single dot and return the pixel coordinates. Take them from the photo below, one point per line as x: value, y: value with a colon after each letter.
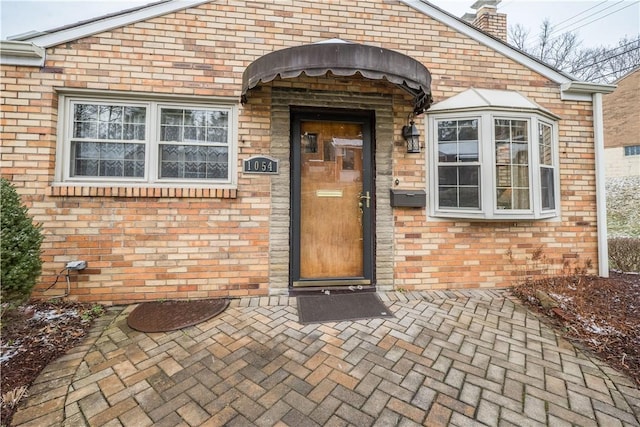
x: 340, y: 307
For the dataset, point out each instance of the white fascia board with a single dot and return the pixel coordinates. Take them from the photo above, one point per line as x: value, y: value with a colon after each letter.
x: 582, y: 91
x: 109, y: 23
x: 21, y: 53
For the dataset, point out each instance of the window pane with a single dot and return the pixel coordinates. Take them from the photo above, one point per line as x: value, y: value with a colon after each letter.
x: 503, y: 176
x: 519, y: 130
x: 469, y: 197
x: 520, y: 176
x: 133, y: 132
x: 544, y: 144
x: 109, y: 131
x: 135, y: 115
x: 512, y: 164
x: 448, y: 197
x: 95, y: 159
x: 447, y: 175
x: 468, y: 175
x: 216, y: 134
x: 447, y: 131
x: 632, y: 150
x: 548, y: 189
x: 459, y: 187
x: 194, y: 161
x: 467, y: 130
x: 520, y: 154
x: 109, y: 122
x: 458, y: 141
x: 468, y: 151
x: 194, y: 125
x: 171, y: 117
x: 85, y: 112
x: 170, y: 133
x: 448, y: 152
x: 521, y: 199
x: 110, y: 113
x: 503, y: 198
x: 85, y: 130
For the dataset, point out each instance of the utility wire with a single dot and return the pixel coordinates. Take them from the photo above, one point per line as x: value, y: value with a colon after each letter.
x: 591, y: 64
x: 554, y: 27
x: 593, y: 14
x: 602, y: 17
x: 586, y: 17
x: 584, y: 11
x: 528, y: 45
x: 630, y: 67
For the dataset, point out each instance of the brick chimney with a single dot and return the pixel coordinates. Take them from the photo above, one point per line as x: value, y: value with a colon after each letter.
x: 488, y: 19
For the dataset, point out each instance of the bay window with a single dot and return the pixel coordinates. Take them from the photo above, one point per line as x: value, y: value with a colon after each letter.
x: 492, y: 163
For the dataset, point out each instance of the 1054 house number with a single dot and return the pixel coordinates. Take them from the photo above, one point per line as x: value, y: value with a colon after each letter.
x: 261, y: 165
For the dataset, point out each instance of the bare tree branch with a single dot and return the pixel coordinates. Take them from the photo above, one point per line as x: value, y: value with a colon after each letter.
x: 600, y: 64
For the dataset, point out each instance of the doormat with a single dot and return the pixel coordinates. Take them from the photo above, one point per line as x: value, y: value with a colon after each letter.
x: 163, y: 316
x: 340, y: 307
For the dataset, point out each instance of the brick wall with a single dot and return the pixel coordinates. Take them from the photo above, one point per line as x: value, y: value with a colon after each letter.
x: 490, y: 21
x: 621, y: 110
x: 145, y: 243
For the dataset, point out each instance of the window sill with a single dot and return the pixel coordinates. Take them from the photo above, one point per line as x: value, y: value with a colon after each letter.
x: 115, y: 191
x: 502, y: 217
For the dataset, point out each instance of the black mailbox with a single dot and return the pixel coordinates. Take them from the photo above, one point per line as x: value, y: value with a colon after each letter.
x: 408, y: 198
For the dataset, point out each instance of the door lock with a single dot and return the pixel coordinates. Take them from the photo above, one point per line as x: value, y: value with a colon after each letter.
x: 362, y: 198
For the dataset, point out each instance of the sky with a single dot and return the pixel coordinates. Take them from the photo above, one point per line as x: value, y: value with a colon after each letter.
x: 597, y: 23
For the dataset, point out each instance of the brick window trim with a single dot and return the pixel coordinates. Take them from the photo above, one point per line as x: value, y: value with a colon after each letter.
x: 151, y: 192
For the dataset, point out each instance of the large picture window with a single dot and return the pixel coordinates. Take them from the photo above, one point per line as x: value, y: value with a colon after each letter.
x: 492, y: 165
x: 133, y: 141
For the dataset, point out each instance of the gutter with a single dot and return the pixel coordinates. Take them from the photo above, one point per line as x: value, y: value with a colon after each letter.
x: 21, y: 53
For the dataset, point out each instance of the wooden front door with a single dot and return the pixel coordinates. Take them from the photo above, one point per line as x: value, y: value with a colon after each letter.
x: 332, y: 200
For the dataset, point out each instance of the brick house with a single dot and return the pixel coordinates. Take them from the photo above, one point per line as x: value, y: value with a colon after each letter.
x: 195, y: 149
x: 621, y: 110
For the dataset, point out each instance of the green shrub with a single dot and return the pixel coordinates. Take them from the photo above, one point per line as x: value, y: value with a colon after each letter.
x: 21, y: 239
x: 624, y: 254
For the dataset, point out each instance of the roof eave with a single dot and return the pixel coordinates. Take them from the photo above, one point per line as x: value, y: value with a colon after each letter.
x: 109, y: 22
x: 21, y: 53
x: 582, y: 91
x: 570, y: 88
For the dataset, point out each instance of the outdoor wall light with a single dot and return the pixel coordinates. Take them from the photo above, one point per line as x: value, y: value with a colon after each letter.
x: 412, y: 136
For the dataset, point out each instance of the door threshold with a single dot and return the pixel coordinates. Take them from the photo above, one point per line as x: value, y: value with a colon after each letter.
x: 315, y: 290
x: 334, y: 283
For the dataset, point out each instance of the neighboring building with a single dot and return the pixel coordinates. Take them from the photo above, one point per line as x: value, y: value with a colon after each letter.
x: 193, y: 149
x: 621, y: 111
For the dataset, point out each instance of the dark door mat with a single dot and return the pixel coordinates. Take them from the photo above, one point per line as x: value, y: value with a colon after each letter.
x: 163, y: 316
x: 340, y: 307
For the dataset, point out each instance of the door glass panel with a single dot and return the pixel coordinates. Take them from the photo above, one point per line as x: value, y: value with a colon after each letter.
x: 331, y: 233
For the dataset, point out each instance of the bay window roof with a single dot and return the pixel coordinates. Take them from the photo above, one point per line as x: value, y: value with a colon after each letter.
x: 490, y: 99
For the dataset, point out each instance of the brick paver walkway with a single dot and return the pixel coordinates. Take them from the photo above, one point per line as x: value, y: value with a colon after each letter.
x: 448, y: 358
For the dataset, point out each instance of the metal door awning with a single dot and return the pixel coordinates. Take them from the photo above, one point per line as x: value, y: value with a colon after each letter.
x: 343, y: 59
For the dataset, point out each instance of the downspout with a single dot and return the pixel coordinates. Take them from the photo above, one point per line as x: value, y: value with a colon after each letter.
x: 601, y: 195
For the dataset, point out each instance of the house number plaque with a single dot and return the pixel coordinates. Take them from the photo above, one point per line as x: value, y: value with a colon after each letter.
x: 261, y: 164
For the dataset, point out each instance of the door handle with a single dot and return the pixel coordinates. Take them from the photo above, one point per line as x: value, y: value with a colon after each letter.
x: 362, y: 198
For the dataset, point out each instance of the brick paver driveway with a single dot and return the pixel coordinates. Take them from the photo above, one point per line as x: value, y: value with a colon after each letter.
x: 448, y: 358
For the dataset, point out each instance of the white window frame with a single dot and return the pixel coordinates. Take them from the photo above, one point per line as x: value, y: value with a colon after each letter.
x: 487, y: 158
x: 152, y: 140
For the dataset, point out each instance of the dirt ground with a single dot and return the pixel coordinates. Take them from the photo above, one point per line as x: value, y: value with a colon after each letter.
x: 602, y: 314
x: 33, y: 335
